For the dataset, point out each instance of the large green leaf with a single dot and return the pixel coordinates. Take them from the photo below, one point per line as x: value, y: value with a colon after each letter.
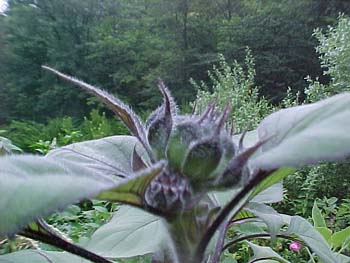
x: 265, y: 254
x: 306, y: 232
x: 113, y: 157
x: 131, y: 232
x: 306, y: 134
x: 110, y: 156
x: 40, y: 256
x: 32, y: 187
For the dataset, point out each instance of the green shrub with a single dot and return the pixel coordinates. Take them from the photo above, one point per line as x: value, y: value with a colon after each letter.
x: 234, y: 85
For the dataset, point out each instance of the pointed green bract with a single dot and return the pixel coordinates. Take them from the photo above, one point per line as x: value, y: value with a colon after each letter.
x: 161, y: 123
x: 179, y: 142
x: 133, y: 190
x: 201, y: 160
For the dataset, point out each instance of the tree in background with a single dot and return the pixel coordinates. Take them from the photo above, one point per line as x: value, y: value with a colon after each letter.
x: 124, y: 46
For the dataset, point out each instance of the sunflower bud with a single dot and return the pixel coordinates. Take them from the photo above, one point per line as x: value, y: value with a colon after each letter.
x: 200, y: 153
x: 169, y: 192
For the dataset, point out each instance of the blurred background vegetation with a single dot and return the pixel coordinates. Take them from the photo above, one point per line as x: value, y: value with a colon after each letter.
x: 124, y: 45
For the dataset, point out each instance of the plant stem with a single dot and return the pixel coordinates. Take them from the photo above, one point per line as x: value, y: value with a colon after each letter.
x: 220, y: 243
x: 246, y: 190
x: 65, y: 245
x: 262, y: 235
x: 311, y: 256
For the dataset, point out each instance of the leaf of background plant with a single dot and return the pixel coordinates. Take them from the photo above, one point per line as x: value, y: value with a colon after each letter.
x: 306, y: 232
x: 338, y: 238
x: 33, y: 186
x: 131, y: 232
x: 317, y: 217
x: 40, y: 256
x: 265, y: 254
x: 6, y: 146
x: 306, y: 134
x: 325, y: 232
x: 270, y: 217
x: 132, y: 192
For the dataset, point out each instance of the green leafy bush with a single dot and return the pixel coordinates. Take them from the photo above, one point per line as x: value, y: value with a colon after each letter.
x: 39, y: 138
x: 318, y: 181
x: 234, y: 84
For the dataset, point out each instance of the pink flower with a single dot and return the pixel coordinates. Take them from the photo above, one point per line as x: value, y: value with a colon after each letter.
x: 295, y: 246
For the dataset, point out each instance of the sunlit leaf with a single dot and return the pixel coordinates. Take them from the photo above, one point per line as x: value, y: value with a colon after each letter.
x: 325, y: 232
x: 272, y: 194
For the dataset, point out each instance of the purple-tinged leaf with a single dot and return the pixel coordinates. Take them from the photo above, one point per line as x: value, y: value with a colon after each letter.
x: 123, y: 111
x: 160, y: 123
x: 136, y: 162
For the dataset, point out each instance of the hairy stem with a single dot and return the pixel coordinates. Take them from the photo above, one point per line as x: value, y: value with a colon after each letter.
x: 65, y: 245
x: 220, y: 243
x: 245, y: 191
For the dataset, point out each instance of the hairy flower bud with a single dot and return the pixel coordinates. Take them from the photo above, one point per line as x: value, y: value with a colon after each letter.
x: 200, y: 154
x: 169, y: 192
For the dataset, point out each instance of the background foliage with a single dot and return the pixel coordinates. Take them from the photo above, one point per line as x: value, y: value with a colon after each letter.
x: 123, y: 46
